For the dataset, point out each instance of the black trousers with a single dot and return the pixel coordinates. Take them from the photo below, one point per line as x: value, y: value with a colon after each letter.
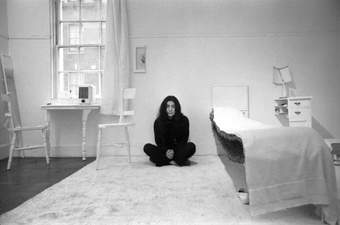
x: 158, y: 155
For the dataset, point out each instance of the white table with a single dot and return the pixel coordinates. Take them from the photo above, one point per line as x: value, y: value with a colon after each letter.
x: 85, y: 108
x: 298, y: 110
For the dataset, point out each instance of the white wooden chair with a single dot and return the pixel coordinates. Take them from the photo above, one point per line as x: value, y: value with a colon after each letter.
x: 12, y: 115
x: 128, y: 94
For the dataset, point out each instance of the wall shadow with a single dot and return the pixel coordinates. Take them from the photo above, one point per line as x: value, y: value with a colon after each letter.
x: 283, y: 120
x: 321, y: 129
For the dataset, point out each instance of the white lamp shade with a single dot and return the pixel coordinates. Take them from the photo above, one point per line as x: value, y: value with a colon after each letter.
x: 281, y: 75
x: 276, y: 76
x: 285, y: 74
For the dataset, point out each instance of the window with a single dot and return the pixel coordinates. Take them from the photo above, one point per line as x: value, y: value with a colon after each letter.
x: 79, y: 45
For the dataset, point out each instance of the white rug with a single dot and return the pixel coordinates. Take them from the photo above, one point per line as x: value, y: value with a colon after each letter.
x: 139, y: 193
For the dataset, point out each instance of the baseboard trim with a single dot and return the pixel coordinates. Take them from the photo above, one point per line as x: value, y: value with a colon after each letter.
x: 75, y: 151
x: 4, y: 151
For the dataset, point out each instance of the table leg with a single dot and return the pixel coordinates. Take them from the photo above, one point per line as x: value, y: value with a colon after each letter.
x: 85, y: 114
x: 48, y: 122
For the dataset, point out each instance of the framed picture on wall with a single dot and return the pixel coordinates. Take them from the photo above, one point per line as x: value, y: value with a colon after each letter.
x: 139, y: 65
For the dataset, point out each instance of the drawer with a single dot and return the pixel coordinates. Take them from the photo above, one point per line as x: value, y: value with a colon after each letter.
x: 299, y: 114
x: 295, y: 103
x: 306, y: 123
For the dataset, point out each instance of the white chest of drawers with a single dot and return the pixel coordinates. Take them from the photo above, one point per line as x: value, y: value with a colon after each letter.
x: 298, y: 110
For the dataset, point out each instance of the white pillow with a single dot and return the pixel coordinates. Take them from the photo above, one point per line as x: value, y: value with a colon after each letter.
x: 231, y: 120
x: 229, y: 112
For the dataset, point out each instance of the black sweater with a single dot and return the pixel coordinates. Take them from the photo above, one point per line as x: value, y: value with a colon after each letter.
x: 170, y: 133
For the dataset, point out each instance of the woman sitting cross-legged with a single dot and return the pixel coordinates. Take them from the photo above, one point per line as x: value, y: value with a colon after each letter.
x: 171, y: 130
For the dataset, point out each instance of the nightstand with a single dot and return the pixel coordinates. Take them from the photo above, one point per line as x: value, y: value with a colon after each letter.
x: 298, y: 110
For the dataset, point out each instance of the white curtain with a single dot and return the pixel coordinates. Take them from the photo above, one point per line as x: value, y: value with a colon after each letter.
x: 116, y: 61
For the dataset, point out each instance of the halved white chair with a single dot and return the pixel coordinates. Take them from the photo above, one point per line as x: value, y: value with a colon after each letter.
x: 12, y: 116
x: 125, y: 121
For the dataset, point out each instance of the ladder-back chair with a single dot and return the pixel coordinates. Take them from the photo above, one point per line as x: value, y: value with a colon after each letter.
x: 125, y: 121
x: 12, y: 115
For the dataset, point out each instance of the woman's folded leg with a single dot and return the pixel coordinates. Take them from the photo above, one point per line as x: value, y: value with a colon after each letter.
x: 156, y: 154
x: 184, y: 152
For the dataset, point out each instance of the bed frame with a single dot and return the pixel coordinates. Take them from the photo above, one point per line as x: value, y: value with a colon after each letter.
x: 237, y: 97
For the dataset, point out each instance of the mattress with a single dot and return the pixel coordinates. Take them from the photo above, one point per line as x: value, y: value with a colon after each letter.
x: 227, y: 123
x: 232, y: 143
x: 283, y: 167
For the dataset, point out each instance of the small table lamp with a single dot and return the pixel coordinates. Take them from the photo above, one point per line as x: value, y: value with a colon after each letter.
x: 281, y: 76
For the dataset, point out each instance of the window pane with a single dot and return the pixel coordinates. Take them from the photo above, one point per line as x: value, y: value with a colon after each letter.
x: 103, y: 33
x: 74, y: 79
x: 62, y: 83
x: 90, y: 10
x: 103, y: 14
x: 90, y: 33
x: 93, y: 78
x: 89, y: 58
x: 68, y: 59
x: 102, y: 53
x: 68, y: 85
x: 69, y: 10
x: 78, y: 63
x: 69, y: 34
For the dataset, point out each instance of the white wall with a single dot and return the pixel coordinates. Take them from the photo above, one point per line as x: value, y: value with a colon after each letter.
x: 29, y: 44
x: 3, y: 27
x: 3, y: 50
x: 191, y: 46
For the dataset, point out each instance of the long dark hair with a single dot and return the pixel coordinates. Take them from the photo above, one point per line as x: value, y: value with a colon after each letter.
x: 162, y: 114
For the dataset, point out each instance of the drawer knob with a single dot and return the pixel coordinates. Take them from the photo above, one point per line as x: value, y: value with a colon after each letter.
x: 297, y: 113
x: 297, y: 103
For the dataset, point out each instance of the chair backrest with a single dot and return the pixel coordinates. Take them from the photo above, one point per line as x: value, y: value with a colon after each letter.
x: 9, y: 93
x: 128, y: 94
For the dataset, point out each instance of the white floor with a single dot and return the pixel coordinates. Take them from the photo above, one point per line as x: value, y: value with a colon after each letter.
x: 139, y: 193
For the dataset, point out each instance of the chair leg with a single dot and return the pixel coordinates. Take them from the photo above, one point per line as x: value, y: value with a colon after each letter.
x: 22, y: 153
x: 11, y: 149
x: 19, y: 142
x: 48, y: 142
x: 128, y: 142
x: 44, y: 136
x: 98, y: 146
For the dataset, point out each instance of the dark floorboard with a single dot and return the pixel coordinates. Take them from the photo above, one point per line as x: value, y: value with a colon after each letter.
x: 30, y: 176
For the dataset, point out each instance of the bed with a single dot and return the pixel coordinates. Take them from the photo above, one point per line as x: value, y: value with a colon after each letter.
x: 280, y: 167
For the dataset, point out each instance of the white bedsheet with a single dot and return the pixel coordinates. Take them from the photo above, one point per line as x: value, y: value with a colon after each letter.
x: 285, y: 166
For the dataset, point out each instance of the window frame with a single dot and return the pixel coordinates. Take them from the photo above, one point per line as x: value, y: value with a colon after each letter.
x: 56, y: 26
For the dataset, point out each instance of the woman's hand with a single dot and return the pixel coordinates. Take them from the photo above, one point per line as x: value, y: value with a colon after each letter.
x: 170, y: 153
